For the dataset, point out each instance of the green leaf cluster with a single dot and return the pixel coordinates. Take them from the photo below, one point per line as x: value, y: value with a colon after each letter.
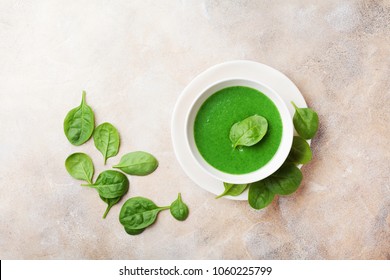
x: 288, y: 177
x: 284, y: 181
x: 111, y: 185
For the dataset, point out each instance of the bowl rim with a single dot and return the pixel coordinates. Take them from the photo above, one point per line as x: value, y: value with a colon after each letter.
x: 273, y: 164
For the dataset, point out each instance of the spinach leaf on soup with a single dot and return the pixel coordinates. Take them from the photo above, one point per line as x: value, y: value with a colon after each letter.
x: 80, y: 166
x: 137, y: 163
x: 249, y: 131
x: 305, y: 122
x: 233, y: 189
x: 179, y: 209
x: 79, y: 123
x: 300, y: 152
x: 106, y: 139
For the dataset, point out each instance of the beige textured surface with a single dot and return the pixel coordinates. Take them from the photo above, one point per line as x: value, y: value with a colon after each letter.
x: 133, y: 58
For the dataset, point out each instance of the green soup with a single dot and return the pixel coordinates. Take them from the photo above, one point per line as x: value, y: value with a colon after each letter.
x: 217, y: 115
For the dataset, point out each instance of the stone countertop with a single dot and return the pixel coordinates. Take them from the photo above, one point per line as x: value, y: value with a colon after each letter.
x: 134, y: 58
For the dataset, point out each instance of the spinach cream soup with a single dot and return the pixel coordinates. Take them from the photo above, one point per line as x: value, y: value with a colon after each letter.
x: 217, y: 115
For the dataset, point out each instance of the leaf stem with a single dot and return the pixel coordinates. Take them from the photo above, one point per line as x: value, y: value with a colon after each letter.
x: 164, y: 207
x: 107, y: 210
x: 83, y: 98
x: 295, y: 106
x: 88, y: 185
x: 221, y: 195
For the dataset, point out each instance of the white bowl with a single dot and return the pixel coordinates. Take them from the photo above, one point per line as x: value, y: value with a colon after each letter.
x: 263, y: 172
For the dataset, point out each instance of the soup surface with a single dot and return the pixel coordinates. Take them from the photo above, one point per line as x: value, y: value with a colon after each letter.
x: 217, y: 115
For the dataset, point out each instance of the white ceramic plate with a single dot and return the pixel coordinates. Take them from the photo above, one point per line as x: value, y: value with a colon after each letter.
x: 232, y: 69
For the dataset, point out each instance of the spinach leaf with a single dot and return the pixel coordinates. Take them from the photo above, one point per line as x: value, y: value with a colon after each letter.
x: 300, y: 152
x: 79, y: 123
x: 248, y: 131
x: 233, y: 189
x: 134, y: 231
x: 80, y: 166
x: 106, y: 139
x: 137, y: 163
x: 259, y: 195
x: 179, y: 209
x: 305, y: 122
x: 285, y: 180
x: 110, y: 202
x: 110, y: 184
x: 139, y: 213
